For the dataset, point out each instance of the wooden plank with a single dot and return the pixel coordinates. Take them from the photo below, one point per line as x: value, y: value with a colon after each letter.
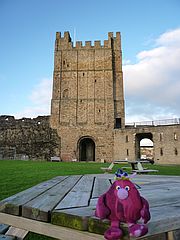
x: 98, y: 226
x: 164, y: 219
x: 13, y: 204
x: 17, y: 232
x: 108, y: 169
x: 160, y: 236
x: 40, y: 207
x: 120, y: 161
x: 153, y: 202
x: 3, y: 237
x: 3, y: 228
x: 100, y: 187
x: 157, y: 180
x: 162, y: 200
x: 170, y: 236
x: 47, y: 228
x: 93, y: 202
x: 144, y: 170
x: 157, y: 190
x: 161, y: 185
x: 76, y: 218
x: 176, y: 234
x: 162, y: 196
x: 79, y: 196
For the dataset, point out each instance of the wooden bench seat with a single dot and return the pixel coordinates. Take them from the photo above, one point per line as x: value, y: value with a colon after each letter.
x: 108, y: 169
x: 11, y: 233
x: 140, y: 169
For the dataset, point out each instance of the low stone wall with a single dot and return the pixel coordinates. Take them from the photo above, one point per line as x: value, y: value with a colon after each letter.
x: 28, y: 138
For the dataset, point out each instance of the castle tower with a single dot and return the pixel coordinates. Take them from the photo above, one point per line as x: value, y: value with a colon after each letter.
x: 88, y: 100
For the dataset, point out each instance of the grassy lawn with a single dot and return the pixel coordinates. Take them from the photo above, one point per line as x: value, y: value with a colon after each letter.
x: 16, y: 176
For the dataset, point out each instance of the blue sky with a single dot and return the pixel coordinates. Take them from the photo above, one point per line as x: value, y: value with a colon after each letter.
x: 150, y: 33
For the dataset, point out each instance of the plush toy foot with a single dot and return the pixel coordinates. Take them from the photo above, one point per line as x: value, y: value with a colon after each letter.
x: 113, y: 233
x: 138, y: 230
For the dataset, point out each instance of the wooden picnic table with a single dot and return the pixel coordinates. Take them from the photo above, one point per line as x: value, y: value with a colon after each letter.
x: 63, y: 207
x: 137, y: 165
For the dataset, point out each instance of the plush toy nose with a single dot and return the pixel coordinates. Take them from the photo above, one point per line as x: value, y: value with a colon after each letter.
x: 122, y: 194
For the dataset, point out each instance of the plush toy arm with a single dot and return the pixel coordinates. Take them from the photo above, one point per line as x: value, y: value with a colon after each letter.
x: 145, y: 214
x: 102, y: 211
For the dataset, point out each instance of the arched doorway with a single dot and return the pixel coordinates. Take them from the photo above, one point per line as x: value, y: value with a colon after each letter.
x: 146, y: 149
x: 144, y: 146
x: 86, y: 149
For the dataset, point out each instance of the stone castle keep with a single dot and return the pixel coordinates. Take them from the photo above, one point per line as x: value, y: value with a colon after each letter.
x: 88, y: 101
x: 88, y: 106
x: 87, y: 121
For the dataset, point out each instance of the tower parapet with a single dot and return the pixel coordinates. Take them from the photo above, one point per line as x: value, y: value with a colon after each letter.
x: 66, y: 42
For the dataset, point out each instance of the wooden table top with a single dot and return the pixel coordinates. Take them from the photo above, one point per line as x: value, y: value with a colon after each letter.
x: 70, y: 201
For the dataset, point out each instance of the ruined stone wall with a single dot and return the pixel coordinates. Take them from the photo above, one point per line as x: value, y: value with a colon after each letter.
x: 27, y: 138
x: 34, y: 139
x: 166, y: 140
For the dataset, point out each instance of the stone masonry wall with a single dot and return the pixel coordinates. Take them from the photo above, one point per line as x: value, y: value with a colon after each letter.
x: 87, y: 94
x: 27, y: 138
x: 166, y: 141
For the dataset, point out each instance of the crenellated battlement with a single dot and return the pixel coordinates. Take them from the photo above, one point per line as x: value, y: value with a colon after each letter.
x: 65, y: 42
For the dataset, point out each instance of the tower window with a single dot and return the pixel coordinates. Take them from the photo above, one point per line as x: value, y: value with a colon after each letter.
x: 65, y: 93
x: 127, y: 151
x: 176, y: 151
x: 127, y: 139
x: 175, y: 136
x: 118, y: 123
x: 83, y: 74
x: 161, y: 137
x: 161, y: 151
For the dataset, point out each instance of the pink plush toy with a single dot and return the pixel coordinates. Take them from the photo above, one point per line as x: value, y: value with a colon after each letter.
x: 123, y: 203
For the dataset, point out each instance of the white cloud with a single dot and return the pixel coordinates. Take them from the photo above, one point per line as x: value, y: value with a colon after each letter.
x: 152, y: 85
x: 170, y: 38
x: 41, y: 93
x: 40, y: 98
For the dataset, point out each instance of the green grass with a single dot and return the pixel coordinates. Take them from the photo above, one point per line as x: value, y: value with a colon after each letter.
x: 16, y: 176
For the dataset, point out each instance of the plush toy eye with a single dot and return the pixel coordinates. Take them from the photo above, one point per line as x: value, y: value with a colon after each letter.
x: 127, y: 188
x: 118, y: 187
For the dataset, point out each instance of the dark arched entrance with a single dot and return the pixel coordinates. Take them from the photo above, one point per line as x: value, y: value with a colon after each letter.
x: 140, y: 149
x: 86, y: 150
